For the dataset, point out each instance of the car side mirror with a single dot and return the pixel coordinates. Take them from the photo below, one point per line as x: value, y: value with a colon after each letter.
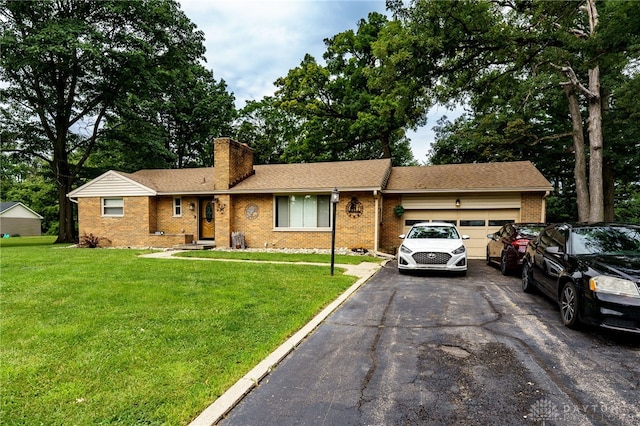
x: 465, y: 237
x: 401, y: 236
x: 552, y: 250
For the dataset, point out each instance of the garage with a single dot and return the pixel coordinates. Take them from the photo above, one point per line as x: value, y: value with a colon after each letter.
x: 478, y: 198
x: 472, y: 217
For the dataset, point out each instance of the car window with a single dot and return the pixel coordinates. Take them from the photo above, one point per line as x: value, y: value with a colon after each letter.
x: 559, y: 239
x: 553, y: 237
x: 439, y: 232
x: 530, y: 231
x: 606, y: 240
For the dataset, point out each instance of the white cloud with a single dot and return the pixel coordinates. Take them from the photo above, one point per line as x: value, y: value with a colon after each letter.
x: 252, y: 43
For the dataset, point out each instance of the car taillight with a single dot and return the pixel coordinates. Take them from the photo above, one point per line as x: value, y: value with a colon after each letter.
x: 520, y: 245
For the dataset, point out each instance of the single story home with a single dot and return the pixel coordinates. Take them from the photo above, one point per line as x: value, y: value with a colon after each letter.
x: 289, y: 205
x: 18, y: 219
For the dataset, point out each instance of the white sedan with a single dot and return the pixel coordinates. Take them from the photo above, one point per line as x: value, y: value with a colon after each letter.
x: 433, y: 246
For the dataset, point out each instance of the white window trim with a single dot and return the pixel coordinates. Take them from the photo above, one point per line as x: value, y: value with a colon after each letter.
x: 300, y: 229
x: 177, y: 206
x: 103, y: 206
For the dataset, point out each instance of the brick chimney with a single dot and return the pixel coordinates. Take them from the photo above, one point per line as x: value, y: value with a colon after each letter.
x: 232, y: 162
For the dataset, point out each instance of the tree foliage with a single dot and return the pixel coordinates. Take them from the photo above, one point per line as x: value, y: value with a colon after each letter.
x: 357, y: 105
x: 70, y: 65
x: 538, y: 78
x: 180, y: 123
x: 273, y: 133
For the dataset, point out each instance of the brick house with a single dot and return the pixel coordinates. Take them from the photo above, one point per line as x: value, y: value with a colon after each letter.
x: 288, y: 205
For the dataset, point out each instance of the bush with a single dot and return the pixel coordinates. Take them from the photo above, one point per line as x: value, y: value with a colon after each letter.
x: 93, y: 241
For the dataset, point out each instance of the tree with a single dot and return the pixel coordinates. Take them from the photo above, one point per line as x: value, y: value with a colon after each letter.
x: 31, y: 184
x: 356, y: 106
x: 272, y: 132
x: 525, y: 46
x: 68, y: 64
x: 179, y: 124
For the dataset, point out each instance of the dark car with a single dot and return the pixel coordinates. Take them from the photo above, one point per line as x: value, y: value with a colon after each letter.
x: 507, y: 246
x: 591, y: 270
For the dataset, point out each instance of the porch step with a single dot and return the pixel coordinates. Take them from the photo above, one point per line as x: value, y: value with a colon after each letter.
x: 199, y: 245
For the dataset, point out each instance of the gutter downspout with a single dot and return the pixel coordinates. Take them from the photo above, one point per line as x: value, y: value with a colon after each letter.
x: 543, y: 213
x: 376, y: 229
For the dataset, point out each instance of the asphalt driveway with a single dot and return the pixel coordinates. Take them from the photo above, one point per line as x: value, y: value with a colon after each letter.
x: 435, y: 349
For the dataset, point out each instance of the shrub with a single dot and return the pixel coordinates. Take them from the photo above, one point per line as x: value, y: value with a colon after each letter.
x: 92, y: 241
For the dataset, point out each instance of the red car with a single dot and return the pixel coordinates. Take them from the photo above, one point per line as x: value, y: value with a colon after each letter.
x: 507, y: 246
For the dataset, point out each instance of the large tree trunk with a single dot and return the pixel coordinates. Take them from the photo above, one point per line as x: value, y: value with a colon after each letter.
x: 580, y: 166
x: 67, y: 229
x: 64, y: 182
x: 596, y: 188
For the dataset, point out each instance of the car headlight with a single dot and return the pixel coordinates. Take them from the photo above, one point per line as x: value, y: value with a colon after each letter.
x: 459, y: 250
x: 404, y: 249
x: 613, y: 285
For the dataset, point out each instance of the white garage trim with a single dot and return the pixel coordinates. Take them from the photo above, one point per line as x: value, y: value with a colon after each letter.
x: 509, y: 200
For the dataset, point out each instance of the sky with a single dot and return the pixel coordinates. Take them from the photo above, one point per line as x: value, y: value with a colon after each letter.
x: 252, y: 43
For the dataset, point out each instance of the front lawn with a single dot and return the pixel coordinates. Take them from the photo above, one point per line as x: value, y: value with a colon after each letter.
x: 101, y: 336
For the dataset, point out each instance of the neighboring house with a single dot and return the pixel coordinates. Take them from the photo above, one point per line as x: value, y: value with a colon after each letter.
x: 288, y: 205
x: 18, y: 219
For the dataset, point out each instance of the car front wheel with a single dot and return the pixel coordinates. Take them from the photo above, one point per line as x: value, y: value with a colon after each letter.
x: 527, y: 280
x: 569, y: 305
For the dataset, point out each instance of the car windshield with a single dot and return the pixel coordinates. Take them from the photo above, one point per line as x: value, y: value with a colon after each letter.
x: 616, y: 240
x: 442, y: 232
x: 530, y: 231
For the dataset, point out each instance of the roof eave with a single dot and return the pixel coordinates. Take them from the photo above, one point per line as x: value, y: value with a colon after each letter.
x: 299, y: 190
x: 457, y: 190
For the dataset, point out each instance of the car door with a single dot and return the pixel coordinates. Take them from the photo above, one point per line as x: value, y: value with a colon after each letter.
x: 549, y: 260
x: 538, y: 261
x: 494, y: 245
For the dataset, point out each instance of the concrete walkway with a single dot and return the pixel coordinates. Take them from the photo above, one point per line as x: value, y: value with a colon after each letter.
x: 212, y: 414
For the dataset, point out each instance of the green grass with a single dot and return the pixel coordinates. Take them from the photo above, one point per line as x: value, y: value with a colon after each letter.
x: 278, y: 257
x: 99, y: 336
x: 26, y: 241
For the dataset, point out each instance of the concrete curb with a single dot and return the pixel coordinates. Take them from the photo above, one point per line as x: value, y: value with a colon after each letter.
x: 221, y: 406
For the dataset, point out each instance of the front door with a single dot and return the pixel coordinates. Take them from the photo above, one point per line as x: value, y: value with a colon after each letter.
x: 207, y: 216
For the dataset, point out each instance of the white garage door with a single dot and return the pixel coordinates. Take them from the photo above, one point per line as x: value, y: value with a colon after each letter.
x: 476, y: 223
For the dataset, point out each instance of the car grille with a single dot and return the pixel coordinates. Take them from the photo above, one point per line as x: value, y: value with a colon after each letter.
x: 431, y: 258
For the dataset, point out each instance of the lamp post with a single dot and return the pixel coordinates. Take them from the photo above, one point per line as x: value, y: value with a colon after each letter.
x: 335, y: 197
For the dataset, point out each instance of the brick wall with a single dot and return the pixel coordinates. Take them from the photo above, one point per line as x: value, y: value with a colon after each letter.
x: 166, y: 222
x: 391, y: 225
x: 233, y: 161
x: 259, y: 230
x: 533, y: 207
x: 137, y: 227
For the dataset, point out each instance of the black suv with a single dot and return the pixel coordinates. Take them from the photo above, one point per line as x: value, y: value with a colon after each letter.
x: 591, y: 270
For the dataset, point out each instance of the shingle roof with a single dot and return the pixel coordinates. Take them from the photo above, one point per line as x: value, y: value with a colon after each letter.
x: 175, y: 181
x: 344, y: 175
x: 10, y: 205
x: 517, y: 175
x: 6, y: 205
x: 352, y: 175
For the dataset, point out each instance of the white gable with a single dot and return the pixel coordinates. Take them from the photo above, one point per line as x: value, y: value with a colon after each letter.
x: 111, y: 184
x: 20, y: 211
